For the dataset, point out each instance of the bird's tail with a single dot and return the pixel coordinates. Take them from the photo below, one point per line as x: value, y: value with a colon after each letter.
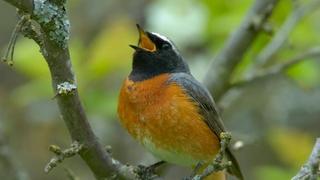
x: 235, y: 168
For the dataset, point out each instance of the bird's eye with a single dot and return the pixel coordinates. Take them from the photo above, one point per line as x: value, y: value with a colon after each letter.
x: 165, y: 46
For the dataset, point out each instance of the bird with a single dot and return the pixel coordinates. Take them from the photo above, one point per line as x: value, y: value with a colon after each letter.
x: 167, y: 110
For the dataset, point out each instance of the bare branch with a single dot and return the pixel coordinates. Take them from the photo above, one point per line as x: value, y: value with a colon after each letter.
x: 8, y: 57
x: 283, y: 33
x: 311, y: 169
x: 276, y: 69
x: 224, y: 63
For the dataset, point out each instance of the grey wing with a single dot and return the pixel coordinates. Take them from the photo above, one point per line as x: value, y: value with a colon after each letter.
x: 208, y: 110
x: 200, y: 94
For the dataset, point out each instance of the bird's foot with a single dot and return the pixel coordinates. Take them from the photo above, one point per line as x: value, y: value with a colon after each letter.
x: 148, y: 172
x: 194, y: 175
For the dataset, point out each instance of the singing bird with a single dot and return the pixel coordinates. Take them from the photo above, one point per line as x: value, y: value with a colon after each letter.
x: 167, y: 110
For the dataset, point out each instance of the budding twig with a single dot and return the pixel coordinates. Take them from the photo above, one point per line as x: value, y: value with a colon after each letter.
x: 8, y: 57
x: 62, y: 154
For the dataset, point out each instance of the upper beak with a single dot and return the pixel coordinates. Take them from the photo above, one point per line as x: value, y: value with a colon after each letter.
x: 145, y: 43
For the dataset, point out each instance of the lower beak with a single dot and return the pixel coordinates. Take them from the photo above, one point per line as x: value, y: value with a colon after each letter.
x: 135, y: 47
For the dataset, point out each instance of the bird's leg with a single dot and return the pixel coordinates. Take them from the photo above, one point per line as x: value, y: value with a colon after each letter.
x: 156, y: 165
x: 195, y: 171
x: 148, y: 172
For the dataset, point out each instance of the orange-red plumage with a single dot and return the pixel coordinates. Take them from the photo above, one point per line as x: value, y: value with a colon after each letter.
x: 164, y: 114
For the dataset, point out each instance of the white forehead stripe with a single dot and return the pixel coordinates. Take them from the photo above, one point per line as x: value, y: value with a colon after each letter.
x: 165, y: 39
x: 162, y: 37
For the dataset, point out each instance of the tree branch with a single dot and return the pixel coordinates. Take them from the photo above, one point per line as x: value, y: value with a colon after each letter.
x: 217, y: 78
x: 276, y: 69
x: 282, y: 35
x: 311, y: 169
x: 54, y: 34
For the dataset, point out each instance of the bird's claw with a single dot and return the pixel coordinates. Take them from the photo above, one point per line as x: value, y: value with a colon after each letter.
x: 148, y: 172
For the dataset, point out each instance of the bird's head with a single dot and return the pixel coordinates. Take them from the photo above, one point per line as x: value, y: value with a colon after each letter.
x: 154, y: 55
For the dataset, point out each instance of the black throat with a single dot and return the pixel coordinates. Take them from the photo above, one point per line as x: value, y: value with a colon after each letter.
x: 146, y: 66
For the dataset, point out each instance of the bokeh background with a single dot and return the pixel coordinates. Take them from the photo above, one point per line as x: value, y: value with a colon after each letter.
x: 277, y: 118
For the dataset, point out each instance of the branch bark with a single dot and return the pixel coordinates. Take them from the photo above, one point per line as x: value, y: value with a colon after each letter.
x: 311, y: 169
x: 52, y: 18
x: 217, y: 78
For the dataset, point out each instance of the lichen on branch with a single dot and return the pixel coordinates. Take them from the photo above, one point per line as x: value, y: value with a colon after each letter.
x: 65, y: 88
x: 53, y: 19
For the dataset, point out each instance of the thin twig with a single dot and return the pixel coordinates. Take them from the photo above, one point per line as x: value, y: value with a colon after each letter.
x: 60, y: 155
x: 313, y: 53
x: 8, y: 57
x: 222, y: 66
x: 279, y: 39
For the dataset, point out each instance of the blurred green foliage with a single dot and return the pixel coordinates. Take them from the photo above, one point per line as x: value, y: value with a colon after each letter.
x: 292, y: 146
x: 306, y: 74
x: 271, y: 172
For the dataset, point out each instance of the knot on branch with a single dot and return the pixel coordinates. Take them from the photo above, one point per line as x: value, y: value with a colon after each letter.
x: 60, y: 155
x: 53, y: 20
x: 65, y: 88
x: 28, y: 30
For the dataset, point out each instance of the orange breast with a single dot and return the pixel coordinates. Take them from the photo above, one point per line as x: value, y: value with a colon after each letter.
x: 166, y: 116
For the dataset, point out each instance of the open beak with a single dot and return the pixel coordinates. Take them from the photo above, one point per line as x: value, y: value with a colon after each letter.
x: 145, y: 43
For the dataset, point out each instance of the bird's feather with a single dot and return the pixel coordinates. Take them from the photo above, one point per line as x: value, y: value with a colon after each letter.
x: 207, y: 108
